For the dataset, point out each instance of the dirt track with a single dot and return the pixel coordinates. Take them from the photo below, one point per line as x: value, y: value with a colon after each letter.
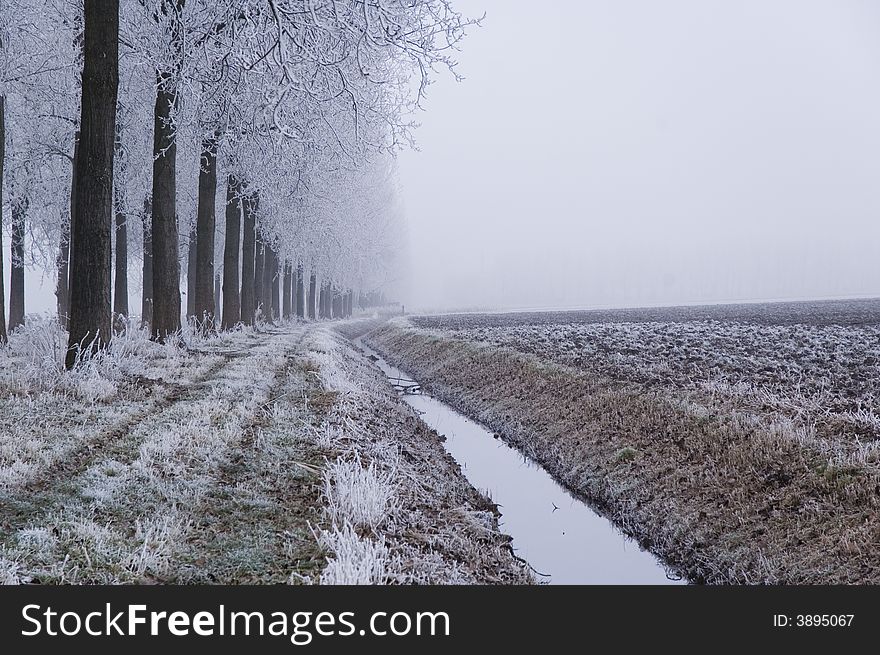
x: 208, y: 466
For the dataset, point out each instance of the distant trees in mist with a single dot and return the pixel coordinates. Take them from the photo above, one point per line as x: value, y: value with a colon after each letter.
x: 251, y: 139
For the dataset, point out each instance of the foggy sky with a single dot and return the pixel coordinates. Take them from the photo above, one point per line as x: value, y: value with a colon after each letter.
x: 636, y: 152
x: 641, y: 152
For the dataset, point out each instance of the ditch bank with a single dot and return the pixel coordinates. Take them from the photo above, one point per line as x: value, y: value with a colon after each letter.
x: 721, y: 499
x: 560, y: 536
x: 433, y: 526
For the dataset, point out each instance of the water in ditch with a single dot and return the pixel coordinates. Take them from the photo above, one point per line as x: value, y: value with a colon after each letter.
x: 558, y: 535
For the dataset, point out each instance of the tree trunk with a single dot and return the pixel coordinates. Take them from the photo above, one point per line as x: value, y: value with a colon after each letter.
x: 147, y: 282
x: 319, y: 302
x: 120, y: 297
x: 3, y: 337
x: 266, y: 297
x: 300, y: 292
x: 91, y: 257
x: 62, y: 262
x: 259, y: 271
x: 268, y: 275
x: 288, y: 284
x: 293, y: 285
x: 120, y: 290
x: 311, y: 300
x: 248, y: 262
x: 231, y: 297
x: 322, y: 301
x: 192, y: 244
x: 205, y: 226
x: 218, y: 285
x: 166, y: 260
x: 16, y: 278
x: 272, y: 295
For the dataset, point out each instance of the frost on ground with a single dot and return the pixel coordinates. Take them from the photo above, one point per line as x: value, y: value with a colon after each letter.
x: 265, y: 455
x: 196, y: 463
x: 739, y: 450
x: 355, y: 560
x: 399, y: 507
x: 362, y: 495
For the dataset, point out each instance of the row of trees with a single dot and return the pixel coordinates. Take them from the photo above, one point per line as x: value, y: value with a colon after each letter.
x: 253, y: 139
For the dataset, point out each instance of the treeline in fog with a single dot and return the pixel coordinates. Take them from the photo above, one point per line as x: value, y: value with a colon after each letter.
x: 245, y: 146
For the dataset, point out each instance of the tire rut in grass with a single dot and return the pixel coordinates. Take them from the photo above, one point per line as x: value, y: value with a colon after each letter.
x: 254, y: 525
x: 20, y: 506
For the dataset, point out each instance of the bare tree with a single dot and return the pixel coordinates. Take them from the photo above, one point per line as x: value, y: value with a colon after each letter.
x: 274, y: 279
x: 120, y: 287
x: 285, y: 294
x: 231, y: 295
x: 205, y: 228
x: 248, y: 261
x: 40, y: 89
x: 218, y: 287
x: 16, y: 265
x: 259, y: 272
x: 165, y: 235
x: 147, y: 271
x: 90, y: 316
x: 300, y: 292
x: 303, y: 102
x: 191, y: 254
x: 311, y: 299
x: 62, y: 262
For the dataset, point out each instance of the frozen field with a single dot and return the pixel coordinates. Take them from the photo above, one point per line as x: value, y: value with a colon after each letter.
x: 821, y: 312
x: 818, y: 362
x: 741, y: 442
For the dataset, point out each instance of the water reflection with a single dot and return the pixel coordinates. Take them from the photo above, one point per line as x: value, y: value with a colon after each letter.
x: 560, y: 536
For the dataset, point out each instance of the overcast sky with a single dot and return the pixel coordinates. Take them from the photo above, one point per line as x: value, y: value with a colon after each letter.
x: 632, y: 152
x: 627, y: 152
